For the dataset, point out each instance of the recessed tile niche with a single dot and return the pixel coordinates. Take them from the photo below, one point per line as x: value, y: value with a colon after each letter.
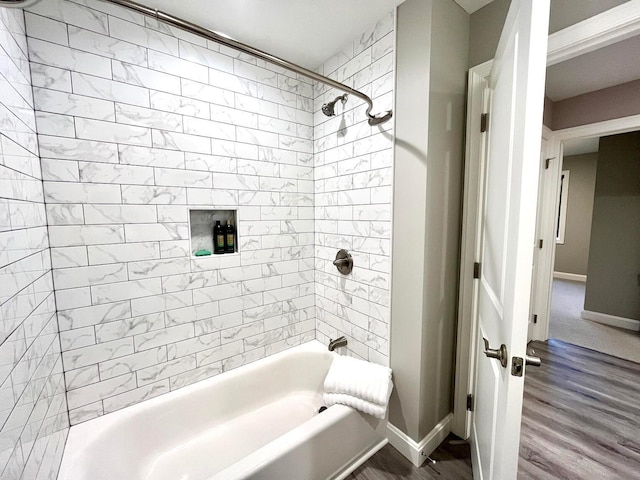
x: 202, y: 222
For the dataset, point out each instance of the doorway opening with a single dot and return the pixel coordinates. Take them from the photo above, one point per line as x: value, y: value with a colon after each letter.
x: 582, y: 310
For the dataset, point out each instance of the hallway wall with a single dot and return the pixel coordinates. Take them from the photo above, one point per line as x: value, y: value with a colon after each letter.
x: 573, y: 255
x: 33, y: 409
x: 613, y: 285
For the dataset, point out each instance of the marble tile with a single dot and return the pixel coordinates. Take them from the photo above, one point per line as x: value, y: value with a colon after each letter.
x: 104, y: 89
x: 114, y: 292
x: 166, y: 370
x: 67, y: 58
x: 91, y: 172
x: 112, y: 132
x: 144, y: 77
x: 73, y: 14
x: 131, y: 363
x: 74, y: 235
x: 117, y: 253
x: 133, y: 155
x: 64, y: 103
x: 106, y: 46
x: 166, y: 63
x: 50, y: 77
x: 97, y: 391
x: 142, y: 36
x: 161, y: 303
x: 74, y: 149
x: 131, y: 397
x: 101, y: 352
x: 93, y: 315
x: 89, y: 276
x: 128, y: 327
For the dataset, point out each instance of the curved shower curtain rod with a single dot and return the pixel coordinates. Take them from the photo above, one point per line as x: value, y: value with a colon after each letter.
x: 219, y: 38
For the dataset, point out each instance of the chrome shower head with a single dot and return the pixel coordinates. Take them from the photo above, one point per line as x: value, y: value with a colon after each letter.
x: 329, y: 108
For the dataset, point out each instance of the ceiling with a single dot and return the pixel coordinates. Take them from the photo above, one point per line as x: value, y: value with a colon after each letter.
x: 609, y: 66
x: 306, y: 32
x: 472, y: 5
x: 579, y: 146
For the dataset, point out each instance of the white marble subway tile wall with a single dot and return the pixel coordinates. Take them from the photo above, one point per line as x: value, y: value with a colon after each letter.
x: 33, y: 409
x: 137, y: 123
x: 353, y: 181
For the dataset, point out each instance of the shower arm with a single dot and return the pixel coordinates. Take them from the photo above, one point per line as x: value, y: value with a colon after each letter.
x: 229, y: 42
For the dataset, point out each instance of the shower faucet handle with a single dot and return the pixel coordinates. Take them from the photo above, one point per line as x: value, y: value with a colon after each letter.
x: 343, y: 262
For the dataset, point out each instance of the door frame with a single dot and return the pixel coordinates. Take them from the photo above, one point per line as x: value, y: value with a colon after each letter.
x: 591, y: 34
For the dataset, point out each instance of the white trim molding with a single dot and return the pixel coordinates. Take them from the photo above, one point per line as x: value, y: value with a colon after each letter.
x: 417, y: 452
x: 608, y: 27
x: 612, y: 320
x: 575, y: 277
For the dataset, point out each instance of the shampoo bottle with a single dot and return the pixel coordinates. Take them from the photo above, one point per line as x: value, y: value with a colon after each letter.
x: 218, y: 238
x: 230, y: 238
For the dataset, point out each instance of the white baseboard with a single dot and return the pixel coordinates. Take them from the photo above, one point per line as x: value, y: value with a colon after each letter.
x: 570, y: 276
x: 620, y: 322
x: 417, y: 452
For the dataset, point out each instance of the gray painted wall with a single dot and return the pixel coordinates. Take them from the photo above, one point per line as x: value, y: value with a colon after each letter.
x: 487, y: 22
x: 573, y: 255
x: 431, y: 66
x: 613, y: 285
x: 615, y: 102
x: 606, y: 104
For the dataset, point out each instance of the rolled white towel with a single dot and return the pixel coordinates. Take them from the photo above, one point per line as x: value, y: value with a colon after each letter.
x: 373, y: 409
x: 360, y: 379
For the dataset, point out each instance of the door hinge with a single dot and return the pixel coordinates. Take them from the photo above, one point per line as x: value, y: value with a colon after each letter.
x: 476, y: 270
x: 547, y: 162
x: 483, y: 122
x: 470, y: 403
x: 540, y: 242
x: 535, y: 318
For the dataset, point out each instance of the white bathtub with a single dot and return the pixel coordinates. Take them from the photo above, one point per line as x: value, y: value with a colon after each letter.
x: 258, y: 421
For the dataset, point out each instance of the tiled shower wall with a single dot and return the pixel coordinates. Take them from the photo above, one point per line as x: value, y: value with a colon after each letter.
x: 137, y: 123
x: 33, y: 410
x: 353, y: 177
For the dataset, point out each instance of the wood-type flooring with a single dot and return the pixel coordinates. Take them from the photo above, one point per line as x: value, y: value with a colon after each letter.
x: 581, y: 416
x: 580, y: 420
x: 453, y: 462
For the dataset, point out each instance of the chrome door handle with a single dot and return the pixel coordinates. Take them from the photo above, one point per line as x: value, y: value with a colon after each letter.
x: 532, y: 360
x: 497, y: 353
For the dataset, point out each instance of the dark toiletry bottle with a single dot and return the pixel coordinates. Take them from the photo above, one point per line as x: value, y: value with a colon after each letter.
x: 230, y: 238
x: 218, y: 238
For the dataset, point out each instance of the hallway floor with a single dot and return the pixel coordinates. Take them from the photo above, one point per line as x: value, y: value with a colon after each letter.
x: 453, y: 462
x: 567, y: 303
x: 581, y: 416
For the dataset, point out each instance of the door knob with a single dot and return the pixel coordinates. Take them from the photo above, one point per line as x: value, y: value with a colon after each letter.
x: 497, y: 353
x: 531, y: 359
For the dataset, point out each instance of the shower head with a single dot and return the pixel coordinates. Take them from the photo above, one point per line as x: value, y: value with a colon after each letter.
x: 378, y: 119
x: 329, y: 108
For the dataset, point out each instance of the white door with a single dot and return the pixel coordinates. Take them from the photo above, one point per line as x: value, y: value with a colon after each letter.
x: 508, y: 227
